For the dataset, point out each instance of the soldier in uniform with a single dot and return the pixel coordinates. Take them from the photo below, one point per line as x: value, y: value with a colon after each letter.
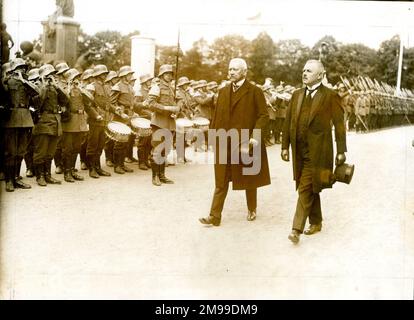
x: 270, y: 101
x: 86, y: 83
x: 132, y: 111
x: 33, y: 77
x: 111, y: 79
x: 4, y: 110
x: 144, y: 143
x: 74, y: 127
x: 61, y: 68
x: 122, y: 96
x: 187, y: 105
x: 47, y: 131
x: 162, y: 103
x: 100, y: 113
x: 18, y: 124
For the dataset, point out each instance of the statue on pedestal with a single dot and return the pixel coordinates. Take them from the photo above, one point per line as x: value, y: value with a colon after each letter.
x: 64, y: 8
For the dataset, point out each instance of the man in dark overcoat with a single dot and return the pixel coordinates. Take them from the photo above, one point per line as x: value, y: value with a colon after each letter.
x: 240, y: 105
x: 308, y: 130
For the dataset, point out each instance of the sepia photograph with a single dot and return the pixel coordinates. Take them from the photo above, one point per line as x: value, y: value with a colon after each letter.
x: 207, y: 150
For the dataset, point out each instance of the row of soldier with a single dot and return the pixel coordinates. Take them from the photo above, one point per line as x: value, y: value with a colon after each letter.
x: 371, y: 110
x: 58, y: 113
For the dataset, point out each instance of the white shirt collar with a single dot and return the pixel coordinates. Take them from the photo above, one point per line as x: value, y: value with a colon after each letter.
x: 239, y: 83
x: 316, y: 85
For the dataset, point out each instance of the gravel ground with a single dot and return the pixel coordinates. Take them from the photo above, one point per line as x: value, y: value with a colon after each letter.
x: 120, y: 237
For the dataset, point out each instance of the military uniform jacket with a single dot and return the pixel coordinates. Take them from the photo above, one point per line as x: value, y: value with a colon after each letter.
x: 123, y: 96
x: 20, y: 94
x: 101, y: 105
x: 160, y: 117
x: 50, y: 101
x: 205, y: 104
x: 78, y: 117
x: 186, y: 102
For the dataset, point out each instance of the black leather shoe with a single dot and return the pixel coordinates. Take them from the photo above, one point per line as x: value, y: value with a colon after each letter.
x: 119, y: 170
x: 294, y: 236
x: 210, y: 220
x: 313, y: 228
x: 251, y: 216
x: 165, y: 180
x: 19, y: 184
x: 93, y: 173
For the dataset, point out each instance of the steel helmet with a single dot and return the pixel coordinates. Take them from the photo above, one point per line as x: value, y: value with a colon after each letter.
x: 46, y: 70
x: 124, y: 71
x: 71, y: 74
x: 88, y: 73
x: 144, y: 78
x: 182, y: 81
x: 212, y: 85
x: 165, y: 68
x: 33, y: 74
x: 111, y: 75
x: 18, y: 62
x: 201, y: 84
x: 61, y: 68
x: 100, y: 69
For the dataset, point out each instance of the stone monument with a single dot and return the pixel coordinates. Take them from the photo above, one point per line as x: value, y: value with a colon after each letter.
x: 60, y: 34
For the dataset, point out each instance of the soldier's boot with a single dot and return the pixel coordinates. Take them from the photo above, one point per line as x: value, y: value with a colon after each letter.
x: 99, y: 169
x: 141, y: 159
x: 40, y: 175
x: 48, y: 174
x: 91, y: 165
x: 9, y: 177
x: 18, y: 183
x: 84, y: 166
x: 68, y: 176
x: 163, y: 178
x: 109, y: 163
x: 155, y: 175
x: 118, y: 163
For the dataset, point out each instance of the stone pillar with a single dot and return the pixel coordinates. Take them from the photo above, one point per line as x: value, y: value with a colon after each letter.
x: 142, y: 56
x: 60, y: 40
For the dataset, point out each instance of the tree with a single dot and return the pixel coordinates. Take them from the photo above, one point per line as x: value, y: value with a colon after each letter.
x: 387, y: 65
x: 226, y: 48
x: 291, y: 57
x: 262, y: 58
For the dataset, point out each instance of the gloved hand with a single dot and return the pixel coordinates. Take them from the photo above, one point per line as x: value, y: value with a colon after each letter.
x: 340, y: 159
x: 285, y: 155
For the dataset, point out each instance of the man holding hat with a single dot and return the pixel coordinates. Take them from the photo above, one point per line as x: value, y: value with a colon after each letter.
x: 308, y: 130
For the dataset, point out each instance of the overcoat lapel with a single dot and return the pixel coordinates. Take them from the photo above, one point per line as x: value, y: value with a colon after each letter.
x: 299, y: 103
x: 239, y: 93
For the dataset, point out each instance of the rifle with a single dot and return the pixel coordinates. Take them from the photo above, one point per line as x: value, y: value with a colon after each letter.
x: 176, y: 65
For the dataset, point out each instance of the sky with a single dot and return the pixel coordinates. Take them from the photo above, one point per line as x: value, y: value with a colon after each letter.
x: 367, y: 22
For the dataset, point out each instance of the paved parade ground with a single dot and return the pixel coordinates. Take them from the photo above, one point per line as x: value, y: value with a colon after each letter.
x: 121, y: 237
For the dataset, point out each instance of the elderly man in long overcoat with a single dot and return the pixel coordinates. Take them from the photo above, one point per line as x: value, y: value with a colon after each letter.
x: 308, y: 130
x: 240, y: 105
